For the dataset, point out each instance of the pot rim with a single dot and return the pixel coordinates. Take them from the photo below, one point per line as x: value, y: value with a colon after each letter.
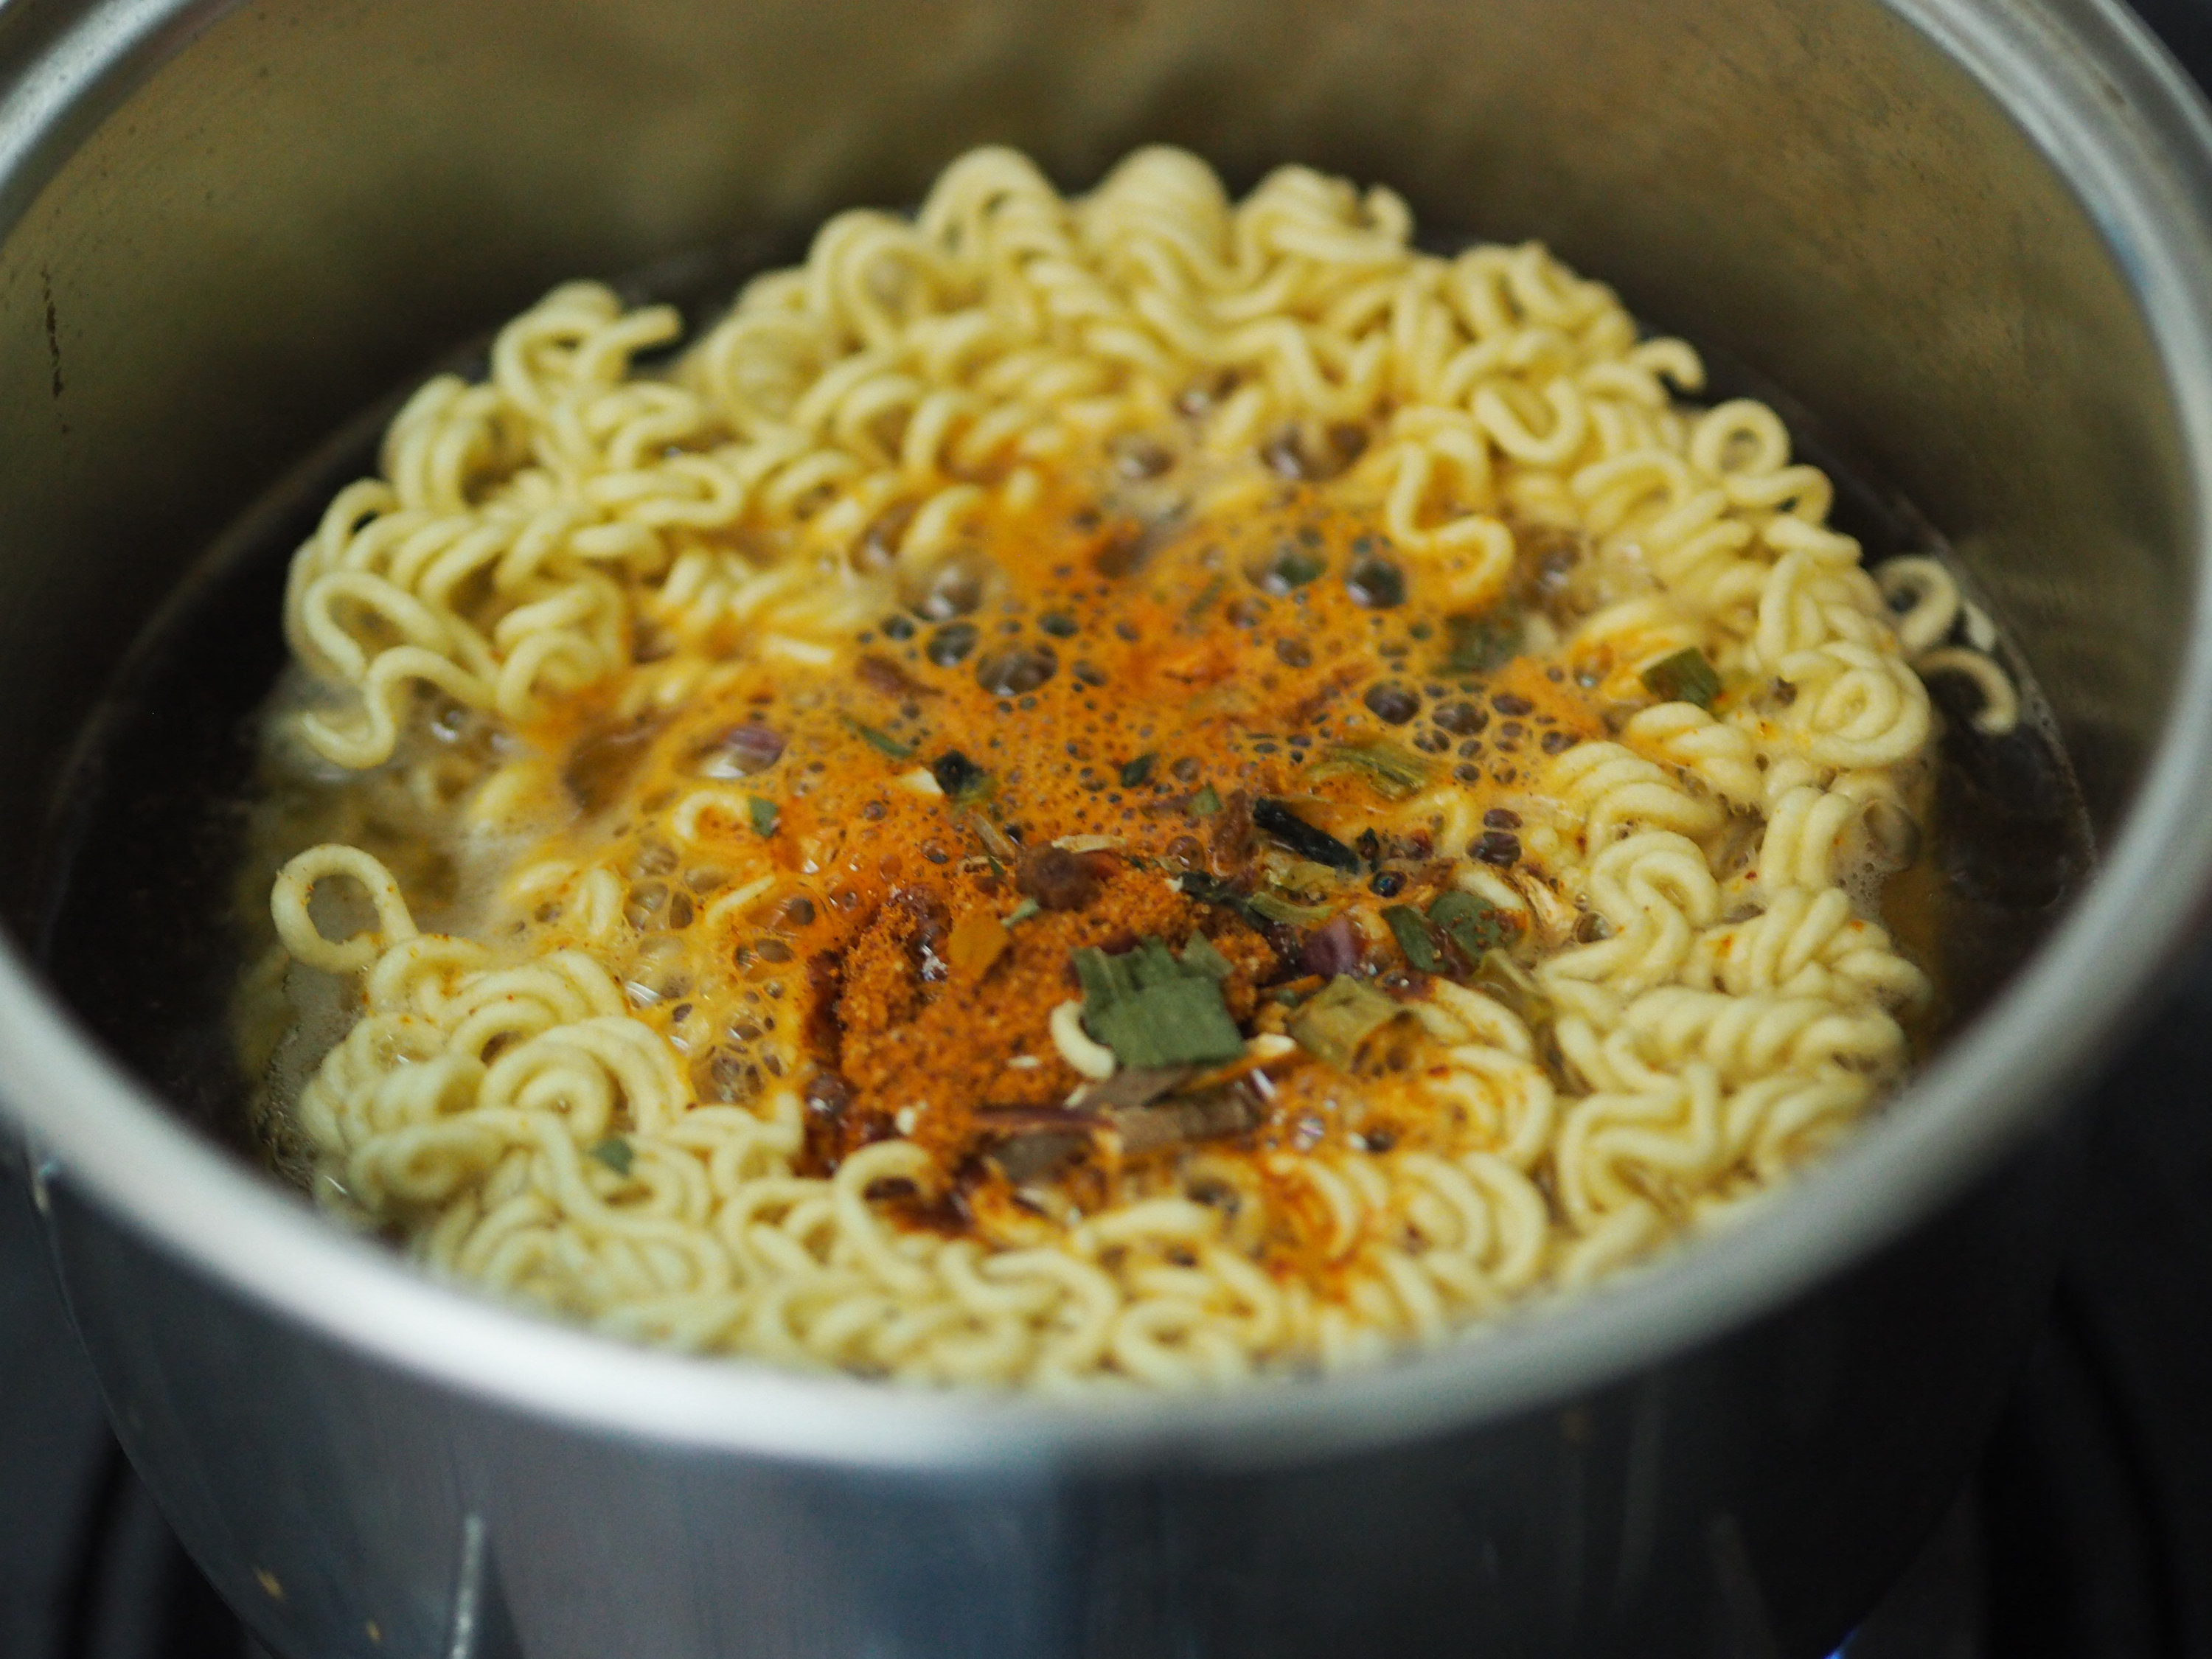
x: 2097, y: 96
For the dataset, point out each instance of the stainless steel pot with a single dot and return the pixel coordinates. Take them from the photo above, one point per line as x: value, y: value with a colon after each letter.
x: 1976, y: 238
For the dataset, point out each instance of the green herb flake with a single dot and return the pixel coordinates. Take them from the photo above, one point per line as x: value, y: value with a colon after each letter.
x: 1412, y: 929
x: 1332, y: 1024
x: 1022, y: 912
x: 1391, y: 769
x: 1473, y: 925
x: 1275, y: 907
x: 1152, y: 1010
x: 1206, y: 802
x: 616, y: 1153
x: 1136, y: 773
x: 1204, y: 602
x: 1152, y: 963
x: 883, y: 740
x: 1686, y: 677
x: 1200, y: 954
x: 1475, y: 645
x: 1102, y: 977
x: 764, y: 813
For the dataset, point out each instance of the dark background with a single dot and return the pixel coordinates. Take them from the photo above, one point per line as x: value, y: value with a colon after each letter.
x: 2087, y: 1534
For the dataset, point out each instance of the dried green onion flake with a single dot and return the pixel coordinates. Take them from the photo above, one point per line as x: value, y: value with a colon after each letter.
x: 1473, y: 925
x: 1152, y: 1010
x: 1686, y: 677
x: 1391, y: 769
x: 1477, y: 644
x: 882, y: 740
x: 1412, y: 931
x: 1344, y: 1014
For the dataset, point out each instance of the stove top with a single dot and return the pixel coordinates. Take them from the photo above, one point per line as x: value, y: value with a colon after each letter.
x: 2086, y: 1533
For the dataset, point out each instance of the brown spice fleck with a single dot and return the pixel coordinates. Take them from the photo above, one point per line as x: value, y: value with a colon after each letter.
x: 1061, y: 880
x: 1498, y: 846
x: 879, y: 673
x: 1231, y: 833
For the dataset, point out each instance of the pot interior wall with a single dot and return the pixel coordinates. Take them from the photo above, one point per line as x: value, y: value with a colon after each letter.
x: 309, y: 202
x: 312, y: 199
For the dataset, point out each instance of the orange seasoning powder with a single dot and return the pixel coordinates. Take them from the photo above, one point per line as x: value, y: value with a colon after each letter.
x: 1089, y: 731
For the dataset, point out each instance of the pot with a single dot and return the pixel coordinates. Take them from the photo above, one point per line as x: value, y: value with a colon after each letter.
x: 1974, y: 237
